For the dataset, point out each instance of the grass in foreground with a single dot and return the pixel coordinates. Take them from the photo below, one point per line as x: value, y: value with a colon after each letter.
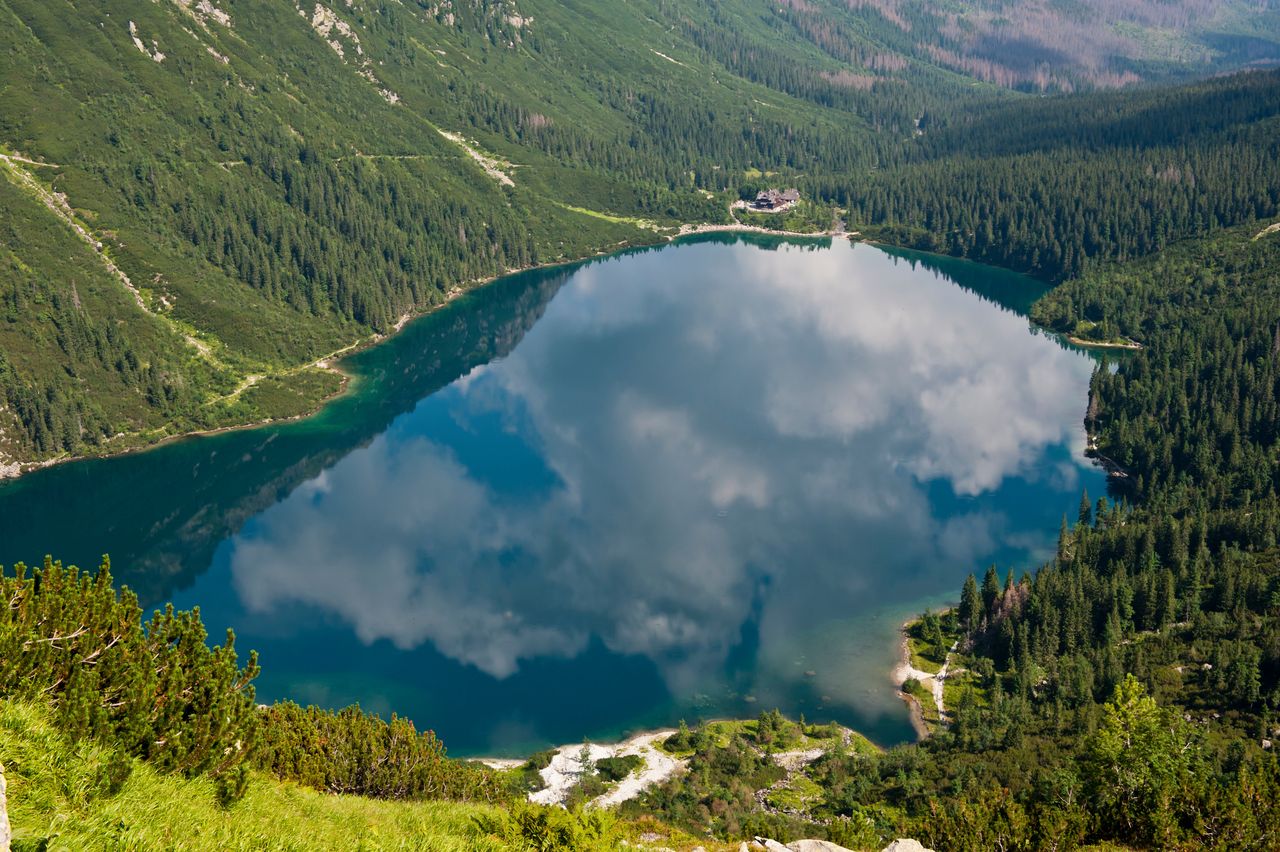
x: 60, y: 793
x: 74, y: 796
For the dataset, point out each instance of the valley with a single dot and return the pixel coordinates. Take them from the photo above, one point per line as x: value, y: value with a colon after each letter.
x: 597, y: 388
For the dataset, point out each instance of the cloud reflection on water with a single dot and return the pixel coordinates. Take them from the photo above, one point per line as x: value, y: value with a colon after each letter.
x: 750, y: 434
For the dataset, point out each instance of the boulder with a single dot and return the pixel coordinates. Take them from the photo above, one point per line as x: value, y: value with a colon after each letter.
x: 906, y: 845
x: 764, y: 844
x: 771, y: 845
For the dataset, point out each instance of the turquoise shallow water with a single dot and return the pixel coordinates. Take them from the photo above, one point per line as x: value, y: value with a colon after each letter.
x: 696, y: 481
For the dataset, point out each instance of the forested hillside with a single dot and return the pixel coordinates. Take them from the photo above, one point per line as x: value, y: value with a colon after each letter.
x: 1195, y: 420
x: 1175, y: 599
x: 1054, y: 186
x: 199, y: 196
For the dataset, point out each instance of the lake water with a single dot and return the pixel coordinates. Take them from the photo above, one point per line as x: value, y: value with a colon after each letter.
x: 698, y: 481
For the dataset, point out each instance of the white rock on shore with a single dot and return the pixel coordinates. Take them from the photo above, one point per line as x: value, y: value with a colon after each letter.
x: 815, y: 846
x: 565, y: 770
x: 658, y: 767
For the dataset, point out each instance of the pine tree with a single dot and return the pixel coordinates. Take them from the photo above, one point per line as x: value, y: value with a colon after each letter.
x: 970, y: 605
x: 990, y: 593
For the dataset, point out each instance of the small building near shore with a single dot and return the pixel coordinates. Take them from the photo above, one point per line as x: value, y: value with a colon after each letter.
x: 775, y: 200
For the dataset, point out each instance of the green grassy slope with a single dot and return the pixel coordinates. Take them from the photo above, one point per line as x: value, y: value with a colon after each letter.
x: 59, y: 791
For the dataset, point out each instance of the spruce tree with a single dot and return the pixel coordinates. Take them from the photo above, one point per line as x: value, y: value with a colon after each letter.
x: 990, y: 593
x: 970, y: 605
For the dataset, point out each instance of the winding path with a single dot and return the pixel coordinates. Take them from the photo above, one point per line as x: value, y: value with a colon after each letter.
x: 940, y: 680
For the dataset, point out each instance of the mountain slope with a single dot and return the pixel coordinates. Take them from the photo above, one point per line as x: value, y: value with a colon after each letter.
x: 246, y: 189
x: 1043, y: 45
x: 1055, y: 186
x: 204, y: 200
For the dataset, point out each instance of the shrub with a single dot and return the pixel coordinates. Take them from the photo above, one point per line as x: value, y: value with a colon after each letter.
x: 527, y: 778
x: 617, y: 768
x: 158, y: 692
x: 230, y: 786
x: 355, y: 752
x: 114, y: 772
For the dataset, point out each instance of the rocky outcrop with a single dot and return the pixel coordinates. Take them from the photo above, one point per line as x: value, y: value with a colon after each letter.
x: 906, y: 845
x: 764, y: 844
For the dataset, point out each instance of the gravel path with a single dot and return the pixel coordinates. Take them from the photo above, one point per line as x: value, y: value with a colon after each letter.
x: 935, y: 682
x: 794, y: 761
